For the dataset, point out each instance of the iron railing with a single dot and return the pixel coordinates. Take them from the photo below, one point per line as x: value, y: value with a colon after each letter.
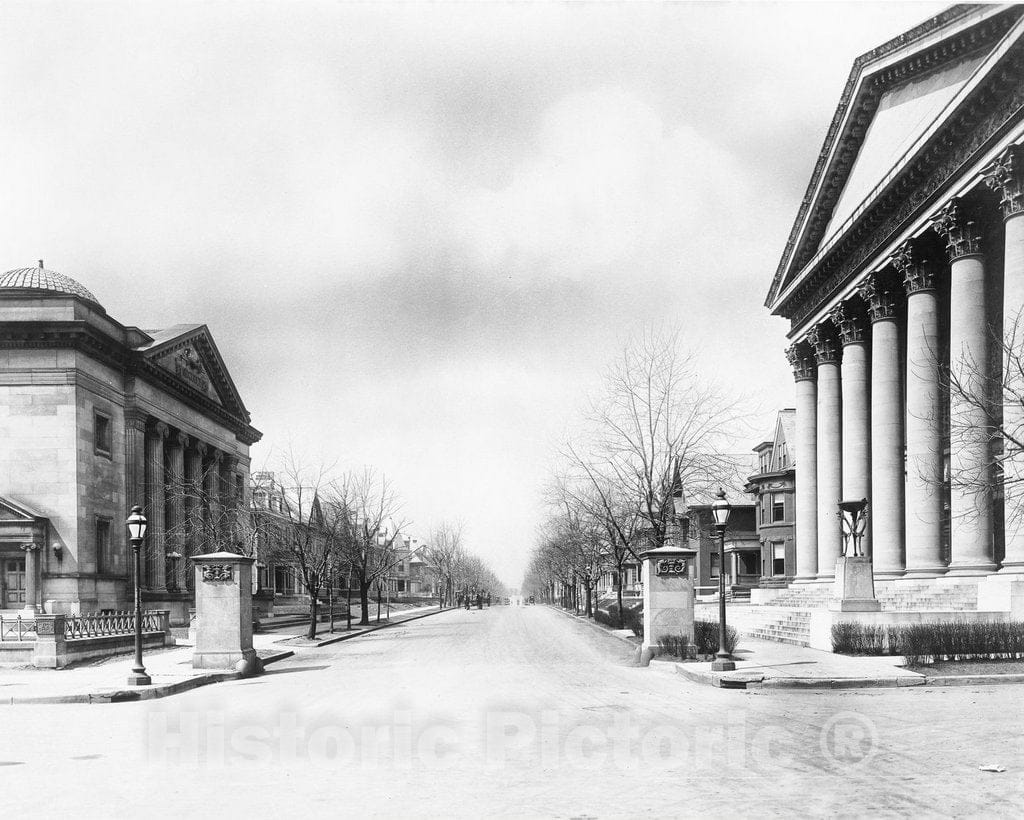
x: 110, y: 623
x: 16, y: 628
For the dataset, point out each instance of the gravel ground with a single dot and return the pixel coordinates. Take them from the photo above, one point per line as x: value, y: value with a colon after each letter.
x: 514, y: 711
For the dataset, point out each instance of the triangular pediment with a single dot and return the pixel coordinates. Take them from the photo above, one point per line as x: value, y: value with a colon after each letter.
x: 188, y: 355
x: 12, y: 511
x: 896, y: 97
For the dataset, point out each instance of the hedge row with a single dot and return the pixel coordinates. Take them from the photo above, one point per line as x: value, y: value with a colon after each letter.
x: 927, y: 643
x: 705, y: 641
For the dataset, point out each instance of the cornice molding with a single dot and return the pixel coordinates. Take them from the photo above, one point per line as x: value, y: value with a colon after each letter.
x: 81, y: 336
x: 982, y: 119
x: 840, y: 149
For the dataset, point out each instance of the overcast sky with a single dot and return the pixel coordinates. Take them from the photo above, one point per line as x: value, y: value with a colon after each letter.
x: 418, y: 232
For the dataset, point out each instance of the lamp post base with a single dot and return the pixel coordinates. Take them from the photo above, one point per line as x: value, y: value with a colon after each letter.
x: 139, y: 678
x: 723, y: 664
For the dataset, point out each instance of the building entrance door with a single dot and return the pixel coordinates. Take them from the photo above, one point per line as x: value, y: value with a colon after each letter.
x: 14, y: 583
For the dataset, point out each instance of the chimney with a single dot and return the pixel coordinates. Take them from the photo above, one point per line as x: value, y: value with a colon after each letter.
x: 40, y: 264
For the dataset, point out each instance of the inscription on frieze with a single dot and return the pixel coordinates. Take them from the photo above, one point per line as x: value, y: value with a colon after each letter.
x: 213, y: 573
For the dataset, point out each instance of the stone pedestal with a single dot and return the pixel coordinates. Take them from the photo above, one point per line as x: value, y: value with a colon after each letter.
x: 854, y: 587
x: 223, y: 584
x: 667, y: 576
x: 1002, y: 593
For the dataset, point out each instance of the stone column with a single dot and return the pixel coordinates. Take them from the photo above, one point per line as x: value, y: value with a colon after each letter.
x: 830, y: 470
x: 194, y: 459
x: 176, y: 523
x: 156, y: 495
x: 1006, y: 177
x: 886, y: 512
x: 924, y: 409
x: 212, y: 491
x: 971, y: 545
x: 135, y: 476
x: 806, y: 496
x: 856, y: 395
x: 227, y: 500
x: 31, y: 578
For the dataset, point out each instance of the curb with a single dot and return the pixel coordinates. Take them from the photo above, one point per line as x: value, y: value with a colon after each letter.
x: 595, y: 625
x: 755, y: 680
x: 133, y: 695
x: 367, y: 631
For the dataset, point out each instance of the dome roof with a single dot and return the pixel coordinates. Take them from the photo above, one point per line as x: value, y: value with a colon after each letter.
x: 46, y: 280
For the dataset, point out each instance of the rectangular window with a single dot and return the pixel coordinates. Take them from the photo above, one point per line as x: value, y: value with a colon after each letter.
x: 101, y: 434
x: 714, y: 565
x: 778, y: 558
x: 104, y: 558
x: 778, y: 507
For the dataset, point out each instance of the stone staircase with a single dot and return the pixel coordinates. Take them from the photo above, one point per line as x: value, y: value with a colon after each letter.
x: 787, y: 618
x: 768, y: 623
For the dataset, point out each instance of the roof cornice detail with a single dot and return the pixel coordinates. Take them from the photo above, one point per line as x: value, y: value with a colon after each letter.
x: 856, y: 107
x: 983, y: 116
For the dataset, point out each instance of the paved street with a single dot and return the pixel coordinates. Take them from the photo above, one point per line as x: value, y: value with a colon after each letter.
x: 514, y: 711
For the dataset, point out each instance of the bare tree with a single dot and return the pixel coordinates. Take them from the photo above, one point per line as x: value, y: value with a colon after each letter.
x: 986, y: 424
x: 446, y: 555
x: 312, y: 538
x: 658, y: 424
x: 368, y: 511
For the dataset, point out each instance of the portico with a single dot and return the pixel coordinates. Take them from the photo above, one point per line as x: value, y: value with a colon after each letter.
x: 903, y: 281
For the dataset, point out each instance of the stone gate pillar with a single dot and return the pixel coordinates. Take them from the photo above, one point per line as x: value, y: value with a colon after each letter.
x: 223, y: 585
x: 667, y: 576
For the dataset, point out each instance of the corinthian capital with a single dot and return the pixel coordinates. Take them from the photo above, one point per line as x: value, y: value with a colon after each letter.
x: 802, y: 361
x: 918, y: 273
x: 1005, y: 176
x: 880, y: 300
x: 851, y: 325
x: 961, y: 234
x: 826, y: 347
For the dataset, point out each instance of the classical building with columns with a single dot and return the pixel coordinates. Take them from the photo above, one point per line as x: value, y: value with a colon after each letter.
x: 96, y: 417
x: 903, y: 273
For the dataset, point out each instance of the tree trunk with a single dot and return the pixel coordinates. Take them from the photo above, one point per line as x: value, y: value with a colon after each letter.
x: 618, y: 593
x: 364, y: 603
x: 311, y: 632
x: 589, y: 610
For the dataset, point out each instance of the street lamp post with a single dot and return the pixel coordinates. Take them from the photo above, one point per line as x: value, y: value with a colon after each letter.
x: 720, y: 509
x: 136, y: 532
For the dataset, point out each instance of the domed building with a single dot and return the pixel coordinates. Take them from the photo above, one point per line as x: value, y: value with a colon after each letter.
x: 96, y: 417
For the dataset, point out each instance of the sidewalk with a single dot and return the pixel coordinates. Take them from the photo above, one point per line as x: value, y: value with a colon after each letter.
x: 295, y: 635
x: 770, y: 665
x: 104, y: 681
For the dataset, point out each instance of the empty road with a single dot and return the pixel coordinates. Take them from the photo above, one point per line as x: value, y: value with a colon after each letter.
x: 513, y: 711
